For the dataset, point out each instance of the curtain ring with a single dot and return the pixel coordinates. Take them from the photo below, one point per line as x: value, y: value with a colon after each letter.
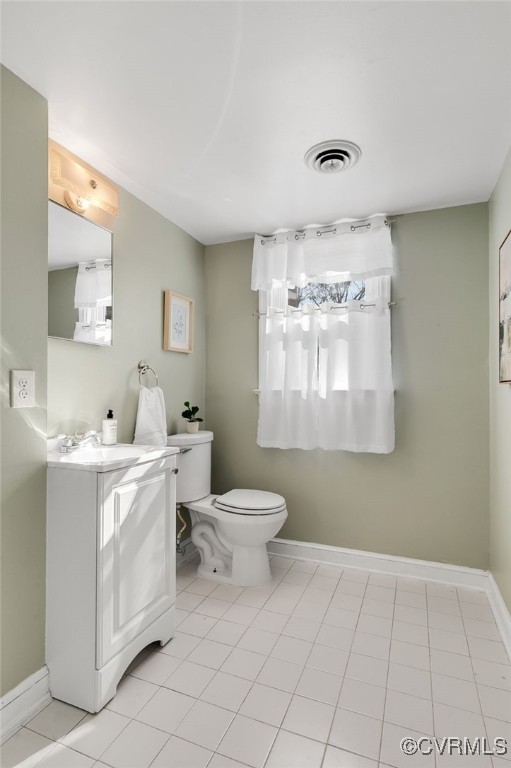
x: 326, y: 232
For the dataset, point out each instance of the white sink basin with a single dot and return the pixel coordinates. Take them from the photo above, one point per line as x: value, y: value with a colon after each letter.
x: 104, y: 458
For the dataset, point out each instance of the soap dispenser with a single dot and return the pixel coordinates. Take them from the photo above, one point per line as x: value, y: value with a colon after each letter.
x: 109, y: 429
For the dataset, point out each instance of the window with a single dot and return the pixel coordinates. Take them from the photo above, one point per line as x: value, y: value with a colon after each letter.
x: 323, y: 293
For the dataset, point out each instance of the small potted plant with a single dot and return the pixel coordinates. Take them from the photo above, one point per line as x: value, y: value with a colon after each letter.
x: 192, y: 420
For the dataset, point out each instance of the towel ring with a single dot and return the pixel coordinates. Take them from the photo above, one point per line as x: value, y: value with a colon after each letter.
x: 144, y: 368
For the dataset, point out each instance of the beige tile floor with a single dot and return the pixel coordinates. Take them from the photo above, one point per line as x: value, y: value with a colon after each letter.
x: 323, y: 668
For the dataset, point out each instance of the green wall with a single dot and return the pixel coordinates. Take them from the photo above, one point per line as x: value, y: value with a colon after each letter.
x: 428, y: 499
x: 62, y: 314
x: 500, y: 401
x: 24, y: 227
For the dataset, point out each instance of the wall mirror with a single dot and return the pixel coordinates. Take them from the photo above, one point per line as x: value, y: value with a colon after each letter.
x: 79, y: 278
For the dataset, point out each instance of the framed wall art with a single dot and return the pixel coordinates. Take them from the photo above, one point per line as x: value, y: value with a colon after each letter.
x: 178, y: 323
x: 505, y: 310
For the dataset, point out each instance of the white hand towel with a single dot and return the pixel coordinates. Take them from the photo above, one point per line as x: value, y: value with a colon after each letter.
x: 151, y: 426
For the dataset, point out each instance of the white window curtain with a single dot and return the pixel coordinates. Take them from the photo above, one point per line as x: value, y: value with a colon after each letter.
x: 325, y: 375
x: 93, y: 294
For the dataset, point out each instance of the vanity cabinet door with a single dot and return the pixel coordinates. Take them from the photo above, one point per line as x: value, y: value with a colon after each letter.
x: 136, y: 553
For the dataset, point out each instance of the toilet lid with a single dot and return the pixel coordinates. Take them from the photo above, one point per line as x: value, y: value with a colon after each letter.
x: 243, y: 501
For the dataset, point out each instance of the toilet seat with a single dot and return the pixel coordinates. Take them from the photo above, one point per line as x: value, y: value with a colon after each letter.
x: 243, y: 501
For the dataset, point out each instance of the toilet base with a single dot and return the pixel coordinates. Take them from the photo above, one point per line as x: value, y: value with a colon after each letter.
x: 250, y: 568
x: 230, y: 551
x: 205, y: 572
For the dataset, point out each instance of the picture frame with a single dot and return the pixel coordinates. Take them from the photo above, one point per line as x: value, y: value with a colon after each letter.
x: 178, y: 323
x: 505, y: 310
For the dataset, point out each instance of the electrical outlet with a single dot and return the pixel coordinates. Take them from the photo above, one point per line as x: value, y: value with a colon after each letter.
x: 22, y: 389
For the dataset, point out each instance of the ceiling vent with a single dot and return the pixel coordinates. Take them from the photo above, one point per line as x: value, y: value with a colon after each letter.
x: 332, y: 156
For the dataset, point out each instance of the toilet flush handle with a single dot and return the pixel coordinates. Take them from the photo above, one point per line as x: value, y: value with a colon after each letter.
x: 184, y: 450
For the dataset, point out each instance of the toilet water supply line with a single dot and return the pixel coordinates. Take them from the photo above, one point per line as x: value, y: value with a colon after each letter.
x: 179, y: 548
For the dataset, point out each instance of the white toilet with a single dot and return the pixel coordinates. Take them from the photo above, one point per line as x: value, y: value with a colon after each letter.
x: 230, y: 531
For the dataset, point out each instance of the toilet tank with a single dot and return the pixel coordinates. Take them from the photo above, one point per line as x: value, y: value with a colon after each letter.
x: 194, y: 465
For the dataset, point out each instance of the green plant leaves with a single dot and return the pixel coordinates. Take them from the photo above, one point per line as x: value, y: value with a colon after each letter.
x: 191, y: 411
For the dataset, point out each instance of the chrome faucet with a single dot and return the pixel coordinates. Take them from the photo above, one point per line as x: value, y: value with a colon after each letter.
x: 77, y: 441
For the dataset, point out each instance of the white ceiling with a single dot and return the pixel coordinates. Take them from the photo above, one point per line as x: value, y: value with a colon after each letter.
x: 204, y: 110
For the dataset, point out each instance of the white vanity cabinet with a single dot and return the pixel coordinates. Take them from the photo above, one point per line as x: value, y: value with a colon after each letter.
x: 110, y: 568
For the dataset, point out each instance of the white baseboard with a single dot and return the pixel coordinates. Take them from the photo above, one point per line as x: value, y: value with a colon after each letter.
x: 500, y: 611
x: 18, y: 706
x: 457, y: 575
x: 454, y: 575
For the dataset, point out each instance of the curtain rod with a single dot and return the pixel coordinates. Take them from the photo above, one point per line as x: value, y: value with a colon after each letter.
x: 327, y: 230
x: 317, y: 309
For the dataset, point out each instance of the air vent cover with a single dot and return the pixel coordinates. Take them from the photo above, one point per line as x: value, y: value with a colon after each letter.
x: 332, y: 156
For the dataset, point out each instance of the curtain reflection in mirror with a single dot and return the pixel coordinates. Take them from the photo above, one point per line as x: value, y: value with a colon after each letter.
x: 93, y: 300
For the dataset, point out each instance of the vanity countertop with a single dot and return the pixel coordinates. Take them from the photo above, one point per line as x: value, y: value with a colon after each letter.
x: 105, y: 458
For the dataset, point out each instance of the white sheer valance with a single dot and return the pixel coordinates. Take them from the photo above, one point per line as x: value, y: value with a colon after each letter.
x: 349, y: 250
x: 93, y: 287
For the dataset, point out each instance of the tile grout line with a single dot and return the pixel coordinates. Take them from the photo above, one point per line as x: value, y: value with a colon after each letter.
x: 387, y: 680
x: 345, y: 670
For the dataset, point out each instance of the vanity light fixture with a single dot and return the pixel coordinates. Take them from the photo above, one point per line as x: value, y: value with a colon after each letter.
x: 76, y: 203
x: 82, y: 186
